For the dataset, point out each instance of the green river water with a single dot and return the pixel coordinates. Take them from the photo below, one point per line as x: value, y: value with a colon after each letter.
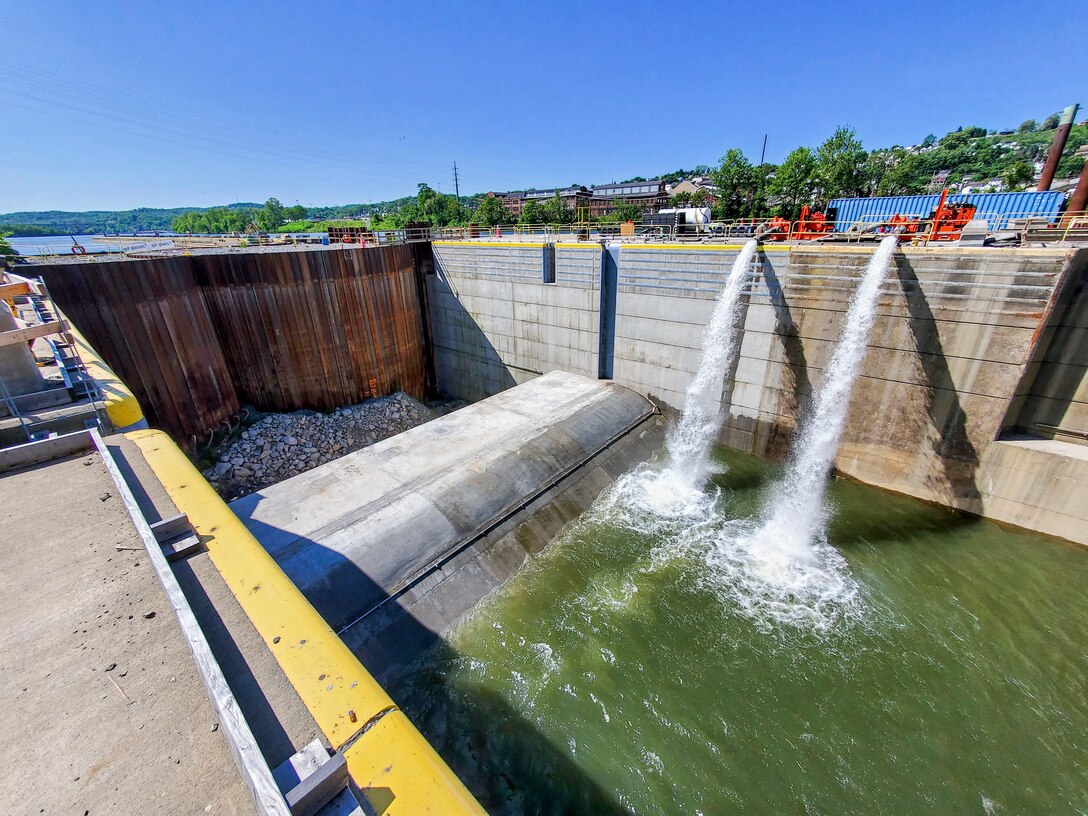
x: 937, y: 665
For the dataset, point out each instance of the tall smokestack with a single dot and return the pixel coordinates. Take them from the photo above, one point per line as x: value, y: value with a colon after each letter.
x: 1057, y: 145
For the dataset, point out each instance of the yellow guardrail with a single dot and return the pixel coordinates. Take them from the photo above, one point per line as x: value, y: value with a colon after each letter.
x: 388, y: 759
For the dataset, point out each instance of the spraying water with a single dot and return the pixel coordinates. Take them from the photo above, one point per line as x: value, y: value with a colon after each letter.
x: 689, y: 442
x: 777, y: 567
x: 795, y: 515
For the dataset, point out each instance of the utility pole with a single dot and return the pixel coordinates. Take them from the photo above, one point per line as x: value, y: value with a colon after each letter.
x: 762, y: 176
x: 457, y: 187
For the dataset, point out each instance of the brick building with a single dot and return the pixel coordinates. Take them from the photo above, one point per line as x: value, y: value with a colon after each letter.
x: 648, y: 196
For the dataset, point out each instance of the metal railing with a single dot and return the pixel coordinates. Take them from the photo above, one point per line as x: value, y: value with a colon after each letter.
x: 1030, y: 226
x: 78, y: 383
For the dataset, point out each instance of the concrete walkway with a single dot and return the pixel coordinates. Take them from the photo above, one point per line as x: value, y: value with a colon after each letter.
x: 104, y: 712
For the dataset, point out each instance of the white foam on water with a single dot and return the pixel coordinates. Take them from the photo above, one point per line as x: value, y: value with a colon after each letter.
x: 777, y: 568
x: 690, y: 439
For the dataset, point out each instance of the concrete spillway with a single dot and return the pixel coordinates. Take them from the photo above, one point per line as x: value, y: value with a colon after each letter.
x: 356, y: 531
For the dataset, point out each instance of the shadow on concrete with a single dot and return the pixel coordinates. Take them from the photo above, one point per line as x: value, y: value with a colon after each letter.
x: 1057, y: 369
x: 275, y: 743
x: 797, y: 383
x: 467, y: 365
x: 501, y: 757
x: 952, y: 447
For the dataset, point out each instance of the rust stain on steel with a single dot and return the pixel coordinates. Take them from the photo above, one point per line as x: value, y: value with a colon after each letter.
x: 196, y: 337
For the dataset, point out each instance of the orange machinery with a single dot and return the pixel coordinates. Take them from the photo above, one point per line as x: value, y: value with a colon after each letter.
x: 812, y: 225
x: 778, y: 229
x: 946, y: 223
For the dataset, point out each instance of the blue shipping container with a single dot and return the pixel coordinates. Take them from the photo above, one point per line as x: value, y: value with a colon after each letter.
x: 996, y: 208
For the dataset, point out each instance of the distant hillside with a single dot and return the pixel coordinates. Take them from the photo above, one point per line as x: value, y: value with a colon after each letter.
x: 59, y: 222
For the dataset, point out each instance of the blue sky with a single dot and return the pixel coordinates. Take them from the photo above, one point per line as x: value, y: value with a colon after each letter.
x: 111, y: 105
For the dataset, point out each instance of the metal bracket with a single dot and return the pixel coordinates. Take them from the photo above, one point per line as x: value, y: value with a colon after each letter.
x: 316, y: 784
x: 176, y: 537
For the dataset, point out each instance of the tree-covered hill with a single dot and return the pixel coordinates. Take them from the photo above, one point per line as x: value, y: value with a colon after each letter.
x: 59, y: 222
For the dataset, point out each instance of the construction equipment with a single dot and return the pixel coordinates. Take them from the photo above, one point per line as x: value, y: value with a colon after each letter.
x: 812, y: 225
x: 950, y: 219
x: 777, y: 229
x: 945, y: 223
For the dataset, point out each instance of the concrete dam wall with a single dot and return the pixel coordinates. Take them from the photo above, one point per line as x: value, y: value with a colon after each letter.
x: 960, y: 359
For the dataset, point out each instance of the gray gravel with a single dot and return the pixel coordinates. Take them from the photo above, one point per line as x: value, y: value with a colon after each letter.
x: 279, y: 446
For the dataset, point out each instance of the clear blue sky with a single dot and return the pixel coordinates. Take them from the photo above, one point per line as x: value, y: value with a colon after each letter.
x: 111, y: 105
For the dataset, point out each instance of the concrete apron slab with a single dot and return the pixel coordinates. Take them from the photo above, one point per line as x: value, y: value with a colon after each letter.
x: 392, y: 519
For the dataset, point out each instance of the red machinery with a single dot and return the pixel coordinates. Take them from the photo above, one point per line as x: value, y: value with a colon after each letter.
x: 905, y: 225
x: 812, y: 225
x: 945, y: 223
x: 778, y: 229
x: 950, y: 219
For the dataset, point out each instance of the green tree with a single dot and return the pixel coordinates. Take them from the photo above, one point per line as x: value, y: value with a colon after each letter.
x: 556, y: 211
x: 270, y: 216
x: 795, y: 181
x: 840, y: 165
x: 490, y: 212
x: 1027, y: 126
x: 956, y: 140
x: 5, y: 247
x: 1018, y: 175
x: 735, y: 179
x: 929, y: 140
x: 628, y: 212
x: 902, y: 175
x: 531, y: 213
x: 700, y: 198
x: 682, y: 199
x: 1050, y: 122
x: 295, y: 213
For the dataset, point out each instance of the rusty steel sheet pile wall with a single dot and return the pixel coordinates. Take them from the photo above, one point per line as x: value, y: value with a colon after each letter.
x: 152, y: 326
x: 197, y: 337
x: 318, y: 329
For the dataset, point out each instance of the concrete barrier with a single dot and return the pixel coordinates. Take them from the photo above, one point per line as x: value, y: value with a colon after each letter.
x: 387, y: 758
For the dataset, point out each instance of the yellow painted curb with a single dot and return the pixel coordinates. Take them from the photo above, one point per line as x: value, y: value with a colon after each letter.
x: 703, y: 247
x: 122, y: 407
x: 470, y: 243
x: 339, y: 692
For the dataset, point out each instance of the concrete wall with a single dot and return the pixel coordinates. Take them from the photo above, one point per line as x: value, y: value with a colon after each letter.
x: 496, y: 323
x: 427, y: 522
x: 963, y: 350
